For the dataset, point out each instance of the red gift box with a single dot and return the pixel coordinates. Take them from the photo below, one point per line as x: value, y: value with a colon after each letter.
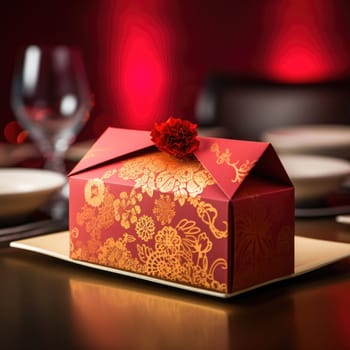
x: 221, y: 221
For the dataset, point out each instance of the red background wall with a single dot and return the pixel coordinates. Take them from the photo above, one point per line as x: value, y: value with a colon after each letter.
x: 147, y: 59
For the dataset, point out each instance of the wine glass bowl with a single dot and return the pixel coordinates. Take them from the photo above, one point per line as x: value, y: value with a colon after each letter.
x: 51, y: 99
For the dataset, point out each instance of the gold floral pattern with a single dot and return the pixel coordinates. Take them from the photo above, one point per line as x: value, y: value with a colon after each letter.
x: 114, y: 253
x: 180, y: 254
x: 97, y: 218
x: 208, y: 214
x: 151, y: 215
x: 94, y: 191
x: 160, y: 171
x: 122, y: 231
x: 163, y: 266
x: 168, y: 240
x: 109, y: 173
x: 177, y: 253
x: 145, y: 227
x: 201, y: 245
x: 164, y: 209
x: 126, y: 208
x: 241, y: 168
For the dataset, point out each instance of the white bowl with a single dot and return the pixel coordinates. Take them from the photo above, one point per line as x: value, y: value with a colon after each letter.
x: 321, y: 139
x: 314, y: 177
x: 22, y: 191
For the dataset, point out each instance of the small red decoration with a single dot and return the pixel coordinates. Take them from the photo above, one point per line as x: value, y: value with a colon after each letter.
x: 176, y: 136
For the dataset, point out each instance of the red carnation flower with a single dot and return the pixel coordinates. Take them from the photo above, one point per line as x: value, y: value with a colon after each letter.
x: 175, y: 136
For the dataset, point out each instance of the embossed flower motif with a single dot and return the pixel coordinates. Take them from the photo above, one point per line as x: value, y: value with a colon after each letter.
x: 146, y: 181
x: 85, y: 214
x: 88, y: 217
x: 145, y: 227
x: 126, y: 208
x: 164, y: 209
x: 176, y: 136
x: 74, y: 232
x: 199, y: 276
x: 92, y: 247
x: 94, y: 191
x: 114, y: 253
x: 199, y: 244
x: 75, y: 250
x: 105, y: 210
x: 159, y: 162
x: 185, y: 174
x: 200, y: 180
x: 168, y: 240
x: 162, y: 172
x: 255, y: 240
x: 163, y: 265
x: 132, y: 168
x: 189, y: 180
x: 95, y: 219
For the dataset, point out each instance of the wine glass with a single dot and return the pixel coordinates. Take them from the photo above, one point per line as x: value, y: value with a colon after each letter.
x: 51, y: 99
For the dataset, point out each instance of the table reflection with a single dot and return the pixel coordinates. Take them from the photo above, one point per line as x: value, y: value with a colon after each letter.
x: 107, y: 315
x: 330, y: 313
x: 131, y: 318
x: 47, y: 303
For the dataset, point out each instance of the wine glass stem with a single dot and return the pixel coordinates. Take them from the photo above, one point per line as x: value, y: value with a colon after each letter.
x: 55, y: 161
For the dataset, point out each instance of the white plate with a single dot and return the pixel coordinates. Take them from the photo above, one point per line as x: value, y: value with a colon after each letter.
x: 328, y: 140
x: 314, y: 177
x: 310, y: 254
x: 22, y: 191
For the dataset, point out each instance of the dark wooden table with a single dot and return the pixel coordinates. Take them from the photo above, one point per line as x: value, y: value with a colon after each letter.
x: 50, y: 304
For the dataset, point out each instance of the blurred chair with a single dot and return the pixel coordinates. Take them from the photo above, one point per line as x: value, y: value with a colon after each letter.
x: 244, y: 108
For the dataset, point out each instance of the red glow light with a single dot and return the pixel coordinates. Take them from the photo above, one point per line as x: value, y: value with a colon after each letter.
x: 142, y: 76
x: 299, y: 45
x: 141, y: 69
x: 298, y: 55
x: 14, y: 134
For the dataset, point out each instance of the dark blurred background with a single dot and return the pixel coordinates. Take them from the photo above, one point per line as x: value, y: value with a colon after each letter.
x: 149, y: 59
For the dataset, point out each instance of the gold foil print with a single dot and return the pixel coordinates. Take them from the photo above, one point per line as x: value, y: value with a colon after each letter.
x: 148, y: 240
x: 94, y: 190
x: 241, y: 168
x: 162, y: 172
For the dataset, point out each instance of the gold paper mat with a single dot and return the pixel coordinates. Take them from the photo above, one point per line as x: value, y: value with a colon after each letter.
x: 310, y: 254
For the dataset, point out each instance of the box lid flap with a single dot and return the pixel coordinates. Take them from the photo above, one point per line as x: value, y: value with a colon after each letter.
x: 113, y: 143
x: 230, y: 162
